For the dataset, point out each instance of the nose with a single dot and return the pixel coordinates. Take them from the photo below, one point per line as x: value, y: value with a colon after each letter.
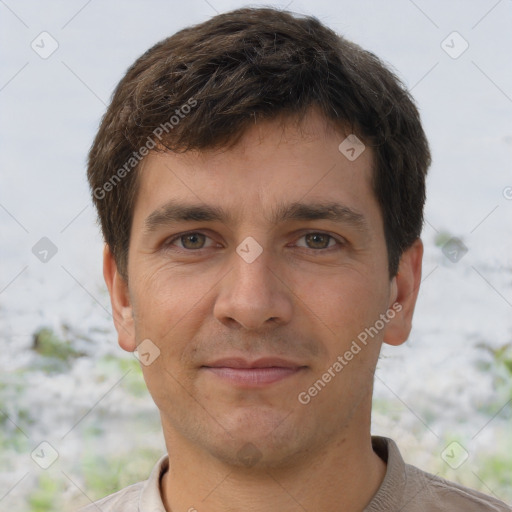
x: 254, y: 295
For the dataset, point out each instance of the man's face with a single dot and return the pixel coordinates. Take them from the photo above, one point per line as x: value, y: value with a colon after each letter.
x: 244, y: 335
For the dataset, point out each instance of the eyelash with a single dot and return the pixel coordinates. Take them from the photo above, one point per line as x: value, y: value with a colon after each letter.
x: 338, y: 243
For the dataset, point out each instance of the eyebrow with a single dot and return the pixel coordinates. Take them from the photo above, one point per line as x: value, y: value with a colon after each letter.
x: 173, y: 212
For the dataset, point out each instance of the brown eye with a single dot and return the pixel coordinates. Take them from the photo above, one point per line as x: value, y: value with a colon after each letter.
x: 318, y: 240
x: 193, y: 240
x: 189, y: 241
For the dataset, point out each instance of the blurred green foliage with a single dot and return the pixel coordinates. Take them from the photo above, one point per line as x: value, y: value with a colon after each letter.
x: 500, y: 368
x: 442, y: 237
x: 58, y: 354
x: 45, y: 496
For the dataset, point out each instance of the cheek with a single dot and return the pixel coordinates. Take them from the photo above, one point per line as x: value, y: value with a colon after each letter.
x: 170, y: 307
x: 168, y: 310
x: 163, y: 296
x: 344, y: 303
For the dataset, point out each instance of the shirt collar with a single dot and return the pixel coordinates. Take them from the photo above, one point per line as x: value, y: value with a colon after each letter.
x: 150, y: 497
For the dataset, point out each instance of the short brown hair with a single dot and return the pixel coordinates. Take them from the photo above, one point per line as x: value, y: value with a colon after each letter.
x: 202, y: 87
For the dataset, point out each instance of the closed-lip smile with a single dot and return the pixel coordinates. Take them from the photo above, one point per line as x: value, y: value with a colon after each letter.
x: 258, y: 373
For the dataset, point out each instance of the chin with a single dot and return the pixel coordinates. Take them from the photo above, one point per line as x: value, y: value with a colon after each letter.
x: 256, y: 454
x: 261, y: 439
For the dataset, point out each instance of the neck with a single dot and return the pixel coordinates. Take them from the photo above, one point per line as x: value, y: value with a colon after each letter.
x: 343, y: 475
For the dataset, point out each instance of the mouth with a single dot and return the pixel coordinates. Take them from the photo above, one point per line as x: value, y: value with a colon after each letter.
x: 259, y: 373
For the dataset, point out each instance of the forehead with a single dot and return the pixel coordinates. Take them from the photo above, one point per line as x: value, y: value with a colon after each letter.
x: 276, y: 164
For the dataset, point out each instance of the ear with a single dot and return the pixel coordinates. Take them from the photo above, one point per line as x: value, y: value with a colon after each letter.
x: 120, y: 300
x: 405, y: 288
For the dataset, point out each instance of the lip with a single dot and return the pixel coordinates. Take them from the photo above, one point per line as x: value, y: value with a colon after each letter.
x: 263, y: 362
x: 250, y: 374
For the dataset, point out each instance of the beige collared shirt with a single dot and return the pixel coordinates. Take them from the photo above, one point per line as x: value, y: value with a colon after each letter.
x: 405, y: 488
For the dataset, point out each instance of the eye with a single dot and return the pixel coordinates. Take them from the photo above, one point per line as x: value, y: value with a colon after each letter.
x: 190, y: 241
x: 318, y: 241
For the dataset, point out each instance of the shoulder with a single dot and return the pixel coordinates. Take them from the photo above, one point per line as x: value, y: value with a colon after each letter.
x: 126, y: 499
x: 409, y: 489
x: 439, y: 495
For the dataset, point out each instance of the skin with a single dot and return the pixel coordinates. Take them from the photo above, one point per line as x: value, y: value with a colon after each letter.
x: 303, y: 299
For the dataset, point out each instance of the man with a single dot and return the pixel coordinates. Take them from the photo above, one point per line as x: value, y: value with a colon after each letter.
x: 260, y: 184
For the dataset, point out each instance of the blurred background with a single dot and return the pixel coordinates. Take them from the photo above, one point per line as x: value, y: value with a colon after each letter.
x: 76, y: 422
